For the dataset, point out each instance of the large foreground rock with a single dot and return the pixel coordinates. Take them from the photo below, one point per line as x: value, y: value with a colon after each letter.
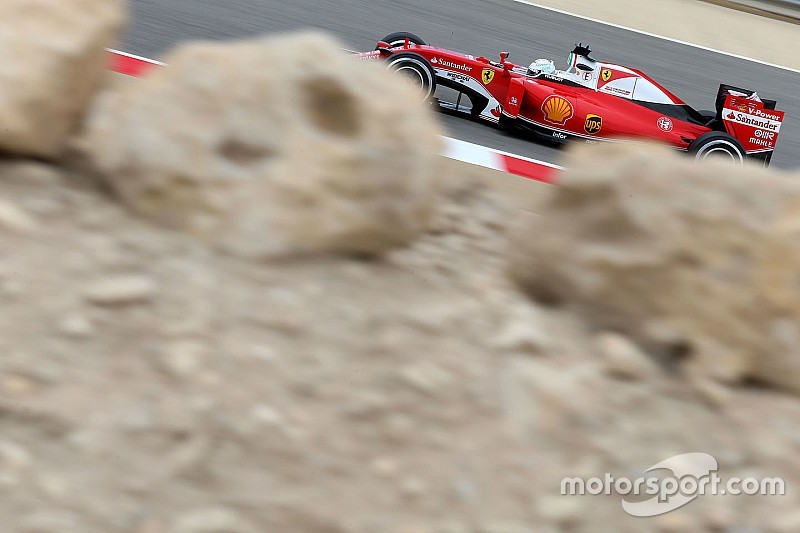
x: 52, y: 61
x: 699, y: 260
x: 273, y: 145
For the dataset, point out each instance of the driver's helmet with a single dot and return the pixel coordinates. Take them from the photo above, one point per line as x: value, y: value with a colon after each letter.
x: 542, y: 66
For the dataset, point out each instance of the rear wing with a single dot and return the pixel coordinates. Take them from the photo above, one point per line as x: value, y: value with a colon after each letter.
x: 753, y: 122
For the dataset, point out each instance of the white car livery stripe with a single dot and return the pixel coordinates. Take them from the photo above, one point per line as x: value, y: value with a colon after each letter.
x: 567, y: 132
x: 473, y: 84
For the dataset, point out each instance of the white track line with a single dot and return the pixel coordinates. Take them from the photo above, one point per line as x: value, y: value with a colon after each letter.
x: 455, y: 146
x: 133, y: 56
x: 655, y: 35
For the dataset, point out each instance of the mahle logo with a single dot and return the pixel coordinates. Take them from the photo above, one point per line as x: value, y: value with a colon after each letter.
x: 671, y: 484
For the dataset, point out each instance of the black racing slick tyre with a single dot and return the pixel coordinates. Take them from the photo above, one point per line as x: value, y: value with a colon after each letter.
x: 716, y: 144
x: 399, y: 38
x: 417, y: 69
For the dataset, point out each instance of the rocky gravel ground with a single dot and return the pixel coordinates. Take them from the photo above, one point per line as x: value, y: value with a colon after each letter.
x: 150, y: 383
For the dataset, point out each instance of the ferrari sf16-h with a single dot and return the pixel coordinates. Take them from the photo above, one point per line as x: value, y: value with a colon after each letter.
x: 590, y: 101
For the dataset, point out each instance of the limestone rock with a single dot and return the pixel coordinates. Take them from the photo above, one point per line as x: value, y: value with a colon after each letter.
x: 52, y: 62
x: 15, y: 219
x: 273, y: 146
x: 121, y: 290
x: 622, y: 358
x: 211, y: 520
x: 639, y: 239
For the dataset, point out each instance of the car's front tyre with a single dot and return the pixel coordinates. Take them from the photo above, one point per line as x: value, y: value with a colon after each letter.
x: 717, y: 145
x: 399, y: 39
x: 417, y: 69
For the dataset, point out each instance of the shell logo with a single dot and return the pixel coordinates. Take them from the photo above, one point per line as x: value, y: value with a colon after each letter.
x: 557, y: 110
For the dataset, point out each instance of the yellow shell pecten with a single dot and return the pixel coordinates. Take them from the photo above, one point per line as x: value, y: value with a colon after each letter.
x: 557, y: 109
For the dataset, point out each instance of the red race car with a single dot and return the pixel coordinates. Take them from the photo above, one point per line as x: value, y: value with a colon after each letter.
x: 590, y: 100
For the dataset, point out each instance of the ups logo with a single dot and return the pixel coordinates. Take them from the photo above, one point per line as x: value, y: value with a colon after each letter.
x: 593, y: 124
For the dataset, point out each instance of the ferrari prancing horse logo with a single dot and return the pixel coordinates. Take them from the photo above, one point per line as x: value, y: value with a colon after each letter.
x: 606, y: 74
x: 487, y: 76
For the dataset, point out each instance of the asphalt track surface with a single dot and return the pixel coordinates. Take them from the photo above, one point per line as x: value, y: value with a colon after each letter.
x: 480, y: 27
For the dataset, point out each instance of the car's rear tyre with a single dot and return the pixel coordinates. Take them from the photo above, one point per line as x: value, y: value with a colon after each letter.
x: 418, y: 70
x: 399, y: 38
x: 717, y: 144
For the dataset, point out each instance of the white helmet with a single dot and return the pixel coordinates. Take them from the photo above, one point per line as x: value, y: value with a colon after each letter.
x: 542, y: 66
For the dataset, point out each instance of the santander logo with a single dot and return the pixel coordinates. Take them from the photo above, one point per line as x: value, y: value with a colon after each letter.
x: 449, y: 64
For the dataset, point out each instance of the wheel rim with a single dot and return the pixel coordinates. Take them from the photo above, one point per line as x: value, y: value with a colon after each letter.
x: 415, y: 71
x: 720, y: 153
x: 414, y: 75
x: 723, y: 150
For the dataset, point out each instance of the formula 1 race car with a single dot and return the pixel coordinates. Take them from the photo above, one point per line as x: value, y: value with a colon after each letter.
x: 590, y: 101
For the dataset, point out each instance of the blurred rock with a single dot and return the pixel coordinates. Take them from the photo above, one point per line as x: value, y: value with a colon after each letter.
x: 785, y: 522
x: 310, y: 151
x: 13, y: 456
x: 505, y: 526
x: 622, y: 358
x: 637, y: 238
x: 677, y: 523
x: 560, y: 510
x: 426, y: 377
x: 15, y: 219
x: 76, y: 325
x: 53, y: 63
x: 527, y: 333
x: 121, y: 290
x: 211, y: 520
x: 184, y: 358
